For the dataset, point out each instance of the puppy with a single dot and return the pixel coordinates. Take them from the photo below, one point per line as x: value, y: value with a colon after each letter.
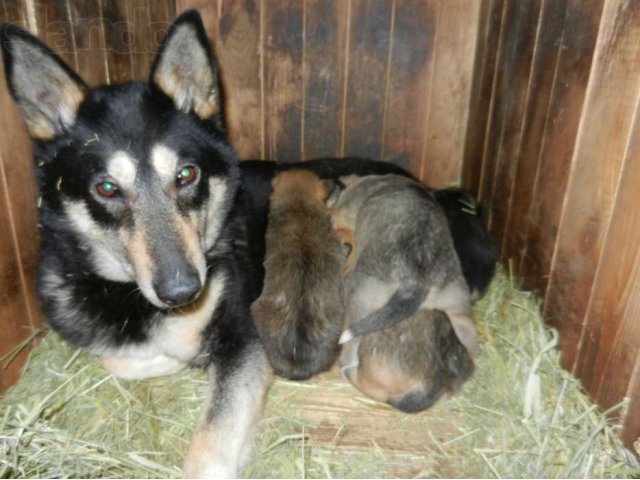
x: 299, y: 315
x: 403, y: 255
x: 476, y: 248
x: 409, y: 365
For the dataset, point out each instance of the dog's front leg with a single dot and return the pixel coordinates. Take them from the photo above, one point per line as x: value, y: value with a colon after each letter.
x: 134, y: 368
x: 222, y: 441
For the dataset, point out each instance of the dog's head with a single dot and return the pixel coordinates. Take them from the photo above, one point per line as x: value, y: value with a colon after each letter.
x: 140, y: 173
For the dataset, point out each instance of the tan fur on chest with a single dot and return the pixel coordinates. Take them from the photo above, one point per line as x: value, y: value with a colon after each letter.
x: 173, y: 344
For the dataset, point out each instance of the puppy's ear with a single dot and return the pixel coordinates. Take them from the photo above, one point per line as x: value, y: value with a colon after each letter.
x: 47, y: 92
x: 185, y: 70
x: 333, y: 187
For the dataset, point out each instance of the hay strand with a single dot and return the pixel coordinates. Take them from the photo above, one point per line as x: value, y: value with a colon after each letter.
x: 520, y: 416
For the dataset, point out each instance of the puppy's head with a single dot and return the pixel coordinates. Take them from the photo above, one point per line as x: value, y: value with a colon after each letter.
x: 140, y: 174
x: 476, y: 248
x: 299, y: 183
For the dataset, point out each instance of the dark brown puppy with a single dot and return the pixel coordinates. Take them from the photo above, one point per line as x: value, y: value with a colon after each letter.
x: 300, y: 313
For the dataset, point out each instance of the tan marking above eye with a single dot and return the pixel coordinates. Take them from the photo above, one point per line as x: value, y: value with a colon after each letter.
x: 164, y: 161
x: 123, y: 168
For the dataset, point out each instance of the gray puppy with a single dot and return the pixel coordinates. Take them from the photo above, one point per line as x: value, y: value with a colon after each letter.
x: 403, y: 253
x: 300, y: 312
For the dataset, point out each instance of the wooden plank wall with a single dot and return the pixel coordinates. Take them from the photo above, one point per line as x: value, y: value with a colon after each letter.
x: 532, y: 104
x: 106, y: 41
x: 553, y: 149
x: 384, y: 79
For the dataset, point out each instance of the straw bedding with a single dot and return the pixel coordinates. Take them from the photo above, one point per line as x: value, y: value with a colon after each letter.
x: 519, y: 416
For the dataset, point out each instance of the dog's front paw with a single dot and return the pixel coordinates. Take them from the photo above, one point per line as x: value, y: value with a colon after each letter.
x: 209, y: 470
x: 205, y: 458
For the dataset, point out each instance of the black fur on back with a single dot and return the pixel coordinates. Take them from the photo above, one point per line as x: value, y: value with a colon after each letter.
x: 474, y: 245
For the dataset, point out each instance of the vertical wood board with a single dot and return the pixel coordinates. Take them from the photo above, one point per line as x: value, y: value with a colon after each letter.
x: 601, y: 144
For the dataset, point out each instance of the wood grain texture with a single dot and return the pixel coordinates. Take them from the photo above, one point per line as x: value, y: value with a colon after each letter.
x: 138, y: 18
x: 620, y: 345
x: 19, y: 311
x: 239, y: 50
x: 87, y: 34
x: 146, y: 22
x: 322, y: 77
x: 448, y: 111
x: 53, y: 27
x: 325, y: 50
x: 13, y: 308
x: 21, y: 197
x: 563, y: 152
x: 119, y: 40
x: 161, y: 14
x: 283, y: 46
x: 525, y: 155
x: 630, y: 433
x: 366, y: 80
x: 490, y: 21
x: 15, y: 12
x: 498, y: 106
x: 558, y: 140
x: 514, y: 82
x: 336, y: 416
x: 145, y: 26
x: 606, y: 323
x: 600, y: 149
x: 209, y: 12
x: 519, y: 72
x: 15, y: 317
x: 410, y: 73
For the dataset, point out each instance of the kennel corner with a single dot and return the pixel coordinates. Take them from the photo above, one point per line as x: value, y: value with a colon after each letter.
x: 531, y: 104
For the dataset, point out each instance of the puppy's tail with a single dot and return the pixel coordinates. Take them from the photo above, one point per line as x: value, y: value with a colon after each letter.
x: 404, y: 302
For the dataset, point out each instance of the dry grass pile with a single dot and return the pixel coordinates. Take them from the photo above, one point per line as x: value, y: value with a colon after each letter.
x: 521, y: 415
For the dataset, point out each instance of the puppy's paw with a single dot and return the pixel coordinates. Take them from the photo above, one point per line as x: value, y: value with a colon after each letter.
x: 347, y: 371
x: 346, y: 336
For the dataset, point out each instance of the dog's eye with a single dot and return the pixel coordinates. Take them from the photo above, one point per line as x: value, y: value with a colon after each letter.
x: 107, y: 189
x: 187, y: 175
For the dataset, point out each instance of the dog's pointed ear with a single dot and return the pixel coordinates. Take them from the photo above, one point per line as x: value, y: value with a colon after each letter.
x: 47, y: 92
x: 185, y: 70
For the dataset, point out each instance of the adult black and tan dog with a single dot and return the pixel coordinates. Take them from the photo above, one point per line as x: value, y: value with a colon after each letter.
x: 152, y: 231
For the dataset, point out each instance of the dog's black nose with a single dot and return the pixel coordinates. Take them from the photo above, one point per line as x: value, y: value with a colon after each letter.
x: 178, y: 289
